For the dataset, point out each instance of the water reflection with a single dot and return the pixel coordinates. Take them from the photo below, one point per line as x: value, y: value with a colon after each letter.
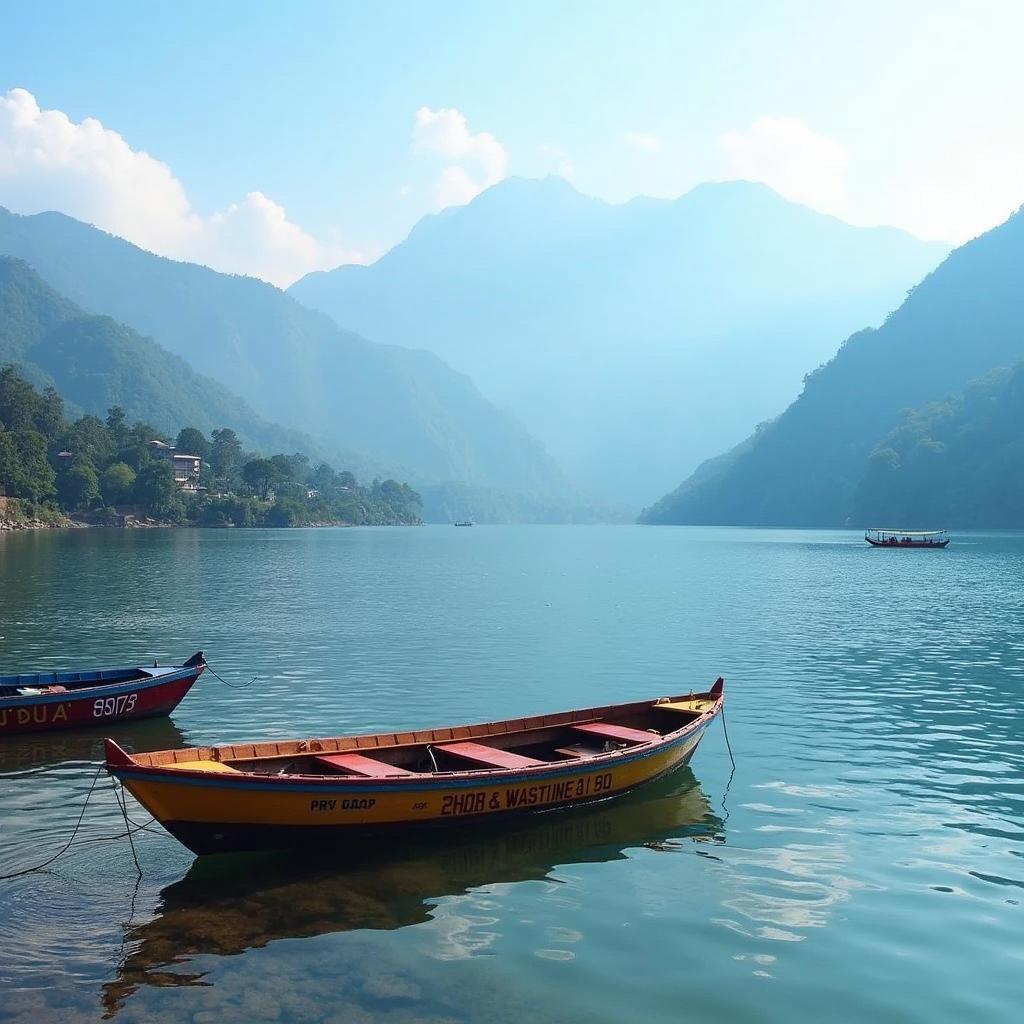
x: 225, y: 906
x: 33, y: 751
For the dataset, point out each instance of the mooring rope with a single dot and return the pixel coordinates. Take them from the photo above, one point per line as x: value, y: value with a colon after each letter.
x: 728, y: 745
x: 234, y: 686
x: 122, y: 803
x: 74, y: 832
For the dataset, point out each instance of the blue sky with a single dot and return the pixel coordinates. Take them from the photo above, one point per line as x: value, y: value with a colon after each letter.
x: 308, y: 134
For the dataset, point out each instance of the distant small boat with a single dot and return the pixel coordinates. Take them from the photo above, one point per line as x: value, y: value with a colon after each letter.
x: 266, y: 795
x: 879, y: 538
x: 41, y: 701
x: 464, y: 522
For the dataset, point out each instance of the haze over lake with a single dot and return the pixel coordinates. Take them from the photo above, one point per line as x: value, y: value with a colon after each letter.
x: 869, y: 844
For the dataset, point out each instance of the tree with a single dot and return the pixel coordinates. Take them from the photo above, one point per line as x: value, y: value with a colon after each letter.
x: 23, y: 408
x: 156, y: 491
x: 225, y: 454
x: 193, y: 442
x: 323, y: 478
x: 35, y: 477
x: 261, y: 475
x: 116, y: 425
x: 79, y: 485
x: 116, y: 483
x: 91, y: 439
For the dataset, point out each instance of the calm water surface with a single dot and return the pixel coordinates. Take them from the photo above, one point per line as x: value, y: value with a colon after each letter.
x: 865, y: 861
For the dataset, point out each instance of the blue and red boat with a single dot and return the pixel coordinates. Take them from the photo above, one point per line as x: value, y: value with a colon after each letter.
x: 42, y: 701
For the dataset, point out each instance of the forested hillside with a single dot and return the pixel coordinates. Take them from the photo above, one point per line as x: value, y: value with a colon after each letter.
x: 104, y: 469
x: 96, y: 363
x: 955, y: 463
x: 400, y: 410
x: 637, y: 339
x: 807, y: 467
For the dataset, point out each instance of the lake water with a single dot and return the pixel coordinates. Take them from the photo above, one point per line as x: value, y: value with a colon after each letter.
x: 865, y: 861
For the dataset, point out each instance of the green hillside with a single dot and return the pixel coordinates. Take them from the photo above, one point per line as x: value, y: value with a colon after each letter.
x: 405, y: 411
x: 96, y: 363
x: 805, y: 468
x: 956, y: 463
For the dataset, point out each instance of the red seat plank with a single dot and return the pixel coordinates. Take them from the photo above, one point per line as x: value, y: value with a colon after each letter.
x: 360, y: 765
x: 615, y: 732
x: 488, y: 755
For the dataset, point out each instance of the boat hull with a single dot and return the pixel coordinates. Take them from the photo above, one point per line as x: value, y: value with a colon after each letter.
x: 902, y: 547
x: 214, y: 813
x: 102, y: 704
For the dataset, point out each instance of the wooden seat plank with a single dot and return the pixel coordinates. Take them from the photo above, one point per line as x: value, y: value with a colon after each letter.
x: 615, y: 732
x: 578, y: 750
x: 694, y: 705
x: 487, y: 755
x: 359, y: 764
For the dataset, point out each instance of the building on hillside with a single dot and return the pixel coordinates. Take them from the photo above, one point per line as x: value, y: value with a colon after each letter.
x: 186, y: 467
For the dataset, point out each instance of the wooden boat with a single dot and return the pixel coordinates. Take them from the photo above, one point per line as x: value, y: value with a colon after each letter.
x: 38, y: 701
x: 881, y: 538
x: 255, y: 796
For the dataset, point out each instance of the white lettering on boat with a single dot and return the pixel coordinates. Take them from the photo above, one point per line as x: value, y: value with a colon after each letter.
x: 105, y: 707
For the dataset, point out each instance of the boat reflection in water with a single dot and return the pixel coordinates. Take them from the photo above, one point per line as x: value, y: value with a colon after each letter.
x: 20, y: 753
x: 227, y: 905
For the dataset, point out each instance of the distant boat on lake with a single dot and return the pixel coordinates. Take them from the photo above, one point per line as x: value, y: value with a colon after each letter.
x: 289, y: 793
x: 881, y: 538
x: 41, y: 701
x: 464, y: 522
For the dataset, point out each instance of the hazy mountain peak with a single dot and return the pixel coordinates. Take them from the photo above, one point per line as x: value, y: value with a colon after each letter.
x: 807, y: 468
x: 637, y: 335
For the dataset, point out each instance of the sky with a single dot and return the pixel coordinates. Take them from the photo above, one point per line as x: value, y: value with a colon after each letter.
x: 274, y: 139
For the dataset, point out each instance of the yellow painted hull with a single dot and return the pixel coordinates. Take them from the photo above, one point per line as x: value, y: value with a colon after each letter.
x: 213, y: 811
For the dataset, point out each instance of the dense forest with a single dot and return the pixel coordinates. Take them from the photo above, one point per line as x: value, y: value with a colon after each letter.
x: 959, y: 462
x: 102, y: 471
x: 821, y: 463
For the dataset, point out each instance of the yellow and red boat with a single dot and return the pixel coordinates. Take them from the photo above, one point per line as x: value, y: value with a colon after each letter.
x: 279, y: 794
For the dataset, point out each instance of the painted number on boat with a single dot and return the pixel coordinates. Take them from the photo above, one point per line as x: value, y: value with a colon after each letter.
x: 525, y: 796
x: 107, y: 706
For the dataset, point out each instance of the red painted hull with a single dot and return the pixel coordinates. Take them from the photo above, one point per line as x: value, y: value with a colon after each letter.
x: 98, y: 705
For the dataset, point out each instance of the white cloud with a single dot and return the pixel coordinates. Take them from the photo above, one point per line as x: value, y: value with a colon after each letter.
x: 445, y: 132
x: 644, y: 141
x: 786, y: 154
x: 49, y: 162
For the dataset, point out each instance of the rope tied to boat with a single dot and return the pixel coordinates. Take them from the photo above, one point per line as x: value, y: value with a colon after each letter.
x: 728, y: 745
x: 74, y: 832
x: 234, y: 686
x: 131, y: 827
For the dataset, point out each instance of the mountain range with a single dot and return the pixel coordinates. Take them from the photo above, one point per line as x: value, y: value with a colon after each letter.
x: 392, y: 410
x: 637, y: 339
x: 96, y: 363
x: 866, y: 438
